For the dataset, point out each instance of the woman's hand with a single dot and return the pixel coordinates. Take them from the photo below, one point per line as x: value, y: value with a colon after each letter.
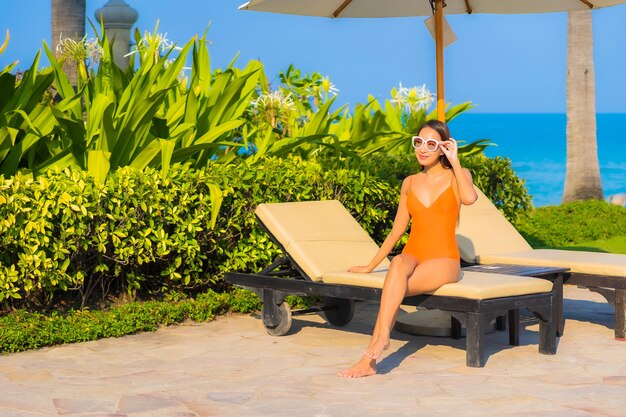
x: 451, y: 150
x: 359, y: 269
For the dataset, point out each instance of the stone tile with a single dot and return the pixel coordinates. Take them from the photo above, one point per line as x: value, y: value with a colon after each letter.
x: 83, y: 406
x: 231, y: 367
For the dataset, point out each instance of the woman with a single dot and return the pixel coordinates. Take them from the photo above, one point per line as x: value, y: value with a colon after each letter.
x: 430, y: 259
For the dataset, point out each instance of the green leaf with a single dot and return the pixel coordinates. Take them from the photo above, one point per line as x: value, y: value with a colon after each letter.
x: 98, y: 164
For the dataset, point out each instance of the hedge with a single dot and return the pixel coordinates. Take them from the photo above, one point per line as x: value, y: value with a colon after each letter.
x: 494, y: 176
x: 67, y: 239
x: 140, y: 232
x: 572, y: 223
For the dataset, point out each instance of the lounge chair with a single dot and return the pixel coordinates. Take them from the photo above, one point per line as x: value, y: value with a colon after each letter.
x: 320, y: 240
x: 485, y: 236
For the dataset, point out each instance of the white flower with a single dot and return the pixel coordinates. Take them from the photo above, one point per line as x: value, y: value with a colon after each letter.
x: 158, y: 40
x: 274, y: 107
x: 70, y: 50
x: 414, y: 98
x: 328, y: 87
x: 275, y: 100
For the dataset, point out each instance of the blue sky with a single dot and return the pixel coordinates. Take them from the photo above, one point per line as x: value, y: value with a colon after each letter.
x: 502, y: 63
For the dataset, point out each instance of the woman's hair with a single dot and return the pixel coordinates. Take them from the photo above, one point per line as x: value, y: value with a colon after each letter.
x: 444, y: 133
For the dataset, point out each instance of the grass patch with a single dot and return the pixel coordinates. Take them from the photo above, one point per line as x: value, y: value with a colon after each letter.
x: 23, y: 330
x: 615, y: 244
x: 573, y: 224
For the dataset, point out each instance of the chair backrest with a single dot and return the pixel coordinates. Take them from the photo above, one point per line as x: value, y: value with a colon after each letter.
x: 484, y: 230
x: 320, y: 236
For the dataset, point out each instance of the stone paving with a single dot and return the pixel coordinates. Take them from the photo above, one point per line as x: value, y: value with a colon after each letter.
x: 231, y: 367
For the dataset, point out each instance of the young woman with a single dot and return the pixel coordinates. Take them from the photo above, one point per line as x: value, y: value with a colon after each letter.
x: 431, y: 201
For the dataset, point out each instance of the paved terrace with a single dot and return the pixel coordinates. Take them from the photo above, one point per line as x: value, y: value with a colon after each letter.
x: 231, y: 367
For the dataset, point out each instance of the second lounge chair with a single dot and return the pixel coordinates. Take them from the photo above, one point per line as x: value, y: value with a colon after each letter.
x: 485, y: 236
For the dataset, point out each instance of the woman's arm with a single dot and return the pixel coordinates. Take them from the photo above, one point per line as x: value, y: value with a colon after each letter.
x: 463, y: 176
x: 400, y: 224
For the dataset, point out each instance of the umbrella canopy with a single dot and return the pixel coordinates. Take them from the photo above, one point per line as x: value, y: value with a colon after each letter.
x: 406, y: 8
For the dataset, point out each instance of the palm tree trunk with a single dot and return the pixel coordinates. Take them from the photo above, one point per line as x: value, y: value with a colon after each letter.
x: 68, y: 21
x: 582, y: 172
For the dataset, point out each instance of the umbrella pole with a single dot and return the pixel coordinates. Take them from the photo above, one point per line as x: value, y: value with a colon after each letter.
x: 441, y: 108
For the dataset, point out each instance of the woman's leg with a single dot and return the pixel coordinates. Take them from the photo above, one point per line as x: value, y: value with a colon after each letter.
x: 425, y: 277
x: 432, y: 274
x: 394, y: 291
x: 401, y: 268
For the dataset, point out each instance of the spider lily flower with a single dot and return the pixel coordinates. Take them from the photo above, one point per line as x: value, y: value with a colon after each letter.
x: 79, y: 52
x: 412, y: 99
x: 70, y: 50
x: 273, y: 107
x: 159, y: 41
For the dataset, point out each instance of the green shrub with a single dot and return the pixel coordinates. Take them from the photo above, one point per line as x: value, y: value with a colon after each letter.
x: 241, y: 244
x: 64, y: 233
x: 572, y: 223
x: 494, y: 176
x: 23, y: 330
x: 499, y: 182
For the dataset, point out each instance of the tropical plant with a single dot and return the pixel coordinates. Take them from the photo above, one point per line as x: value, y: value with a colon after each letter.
x: 25, y: 115
x: 154, y: 113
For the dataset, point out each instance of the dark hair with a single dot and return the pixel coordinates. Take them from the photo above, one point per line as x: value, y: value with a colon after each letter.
x: 444, y: 133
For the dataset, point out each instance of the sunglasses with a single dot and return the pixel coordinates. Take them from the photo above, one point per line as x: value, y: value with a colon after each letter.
x: 419, y: 142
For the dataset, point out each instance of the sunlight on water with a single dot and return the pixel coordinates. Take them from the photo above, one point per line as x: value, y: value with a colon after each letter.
x: 535, y: 143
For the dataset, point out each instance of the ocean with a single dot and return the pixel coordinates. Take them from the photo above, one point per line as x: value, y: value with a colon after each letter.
x: 535, y: 144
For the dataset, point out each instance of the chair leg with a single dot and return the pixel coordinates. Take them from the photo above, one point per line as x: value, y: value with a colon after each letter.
x: 475, y: 341
x: 547, y: 332
x: 513, y: 316
x: 270, y: 312
x: 557, y: 312
x: 620, y: 314
x: 456, y: 328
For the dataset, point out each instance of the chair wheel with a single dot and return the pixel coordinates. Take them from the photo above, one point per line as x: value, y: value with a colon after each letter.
x: 338, y: 311
x: 282, y: 313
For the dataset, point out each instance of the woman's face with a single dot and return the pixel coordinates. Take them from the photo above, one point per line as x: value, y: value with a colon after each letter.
x: 423, y: 155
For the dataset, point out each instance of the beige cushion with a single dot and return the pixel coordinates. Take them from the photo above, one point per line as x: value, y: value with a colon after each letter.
x: 594, y: 263
x: 472, y: 285
x: 485, y: 236
x: 483, y: 229
x: 320, y: 236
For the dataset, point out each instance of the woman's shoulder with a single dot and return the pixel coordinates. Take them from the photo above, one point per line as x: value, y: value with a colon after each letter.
x: 407, y: 182
x: 410, y: 178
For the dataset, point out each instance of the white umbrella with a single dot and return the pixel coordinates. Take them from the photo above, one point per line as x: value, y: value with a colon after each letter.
x: 405, y: 8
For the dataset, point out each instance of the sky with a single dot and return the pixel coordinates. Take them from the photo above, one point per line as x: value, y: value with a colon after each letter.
x: 501, y: 63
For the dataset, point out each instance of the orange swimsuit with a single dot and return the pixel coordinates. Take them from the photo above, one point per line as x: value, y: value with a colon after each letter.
x: 433, y: 228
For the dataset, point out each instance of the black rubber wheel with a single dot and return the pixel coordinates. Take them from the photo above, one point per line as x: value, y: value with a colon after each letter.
x: 340, y: 311
x: 284, y: 320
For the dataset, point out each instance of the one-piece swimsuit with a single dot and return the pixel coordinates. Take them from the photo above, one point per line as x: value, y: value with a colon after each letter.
x: 433, y: 228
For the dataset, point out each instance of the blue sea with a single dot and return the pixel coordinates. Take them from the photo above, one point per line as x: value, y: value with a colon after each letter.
x: 535, y: 143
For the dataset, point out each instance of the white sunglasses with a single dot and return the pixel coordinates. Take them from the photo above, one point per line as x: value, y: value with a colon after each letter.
x: 431, y: 144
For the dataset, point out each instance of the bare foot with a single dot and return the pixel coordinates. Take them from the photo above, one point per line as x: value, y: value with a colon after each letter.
x: 365, y: 367
x: 376, y: 348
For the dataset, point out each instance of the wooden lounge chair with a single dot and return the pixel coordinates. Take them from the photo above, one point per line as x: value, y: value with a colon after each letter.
x: 320, y: 240
x: 485, y: 236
